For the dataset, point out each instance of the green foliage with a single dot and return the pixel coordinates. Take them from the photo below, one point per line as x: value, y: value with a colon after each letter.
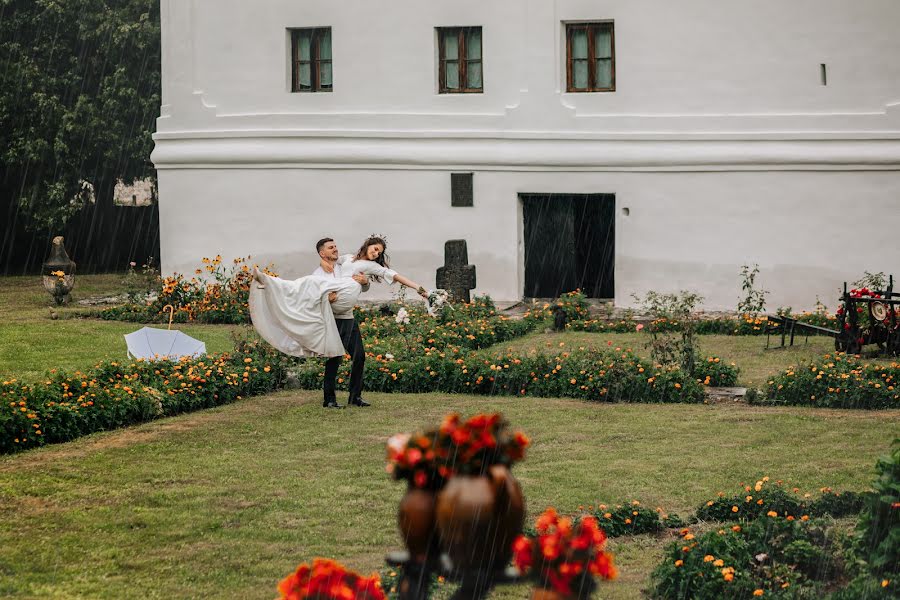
x: 868, y: 588
x: 754, y: 502
x: 79, y: 94
x: 837, y: 381
x: 574, y: 304
x: 754, y: 300
x: 837, y: 504
x: 628, y: 519
x: 772, y: 557
x: 139, y: 284
x: 673, y: 329
x: 112, y: 394
x: 716, y: 372
x: 872, y: 281
x: 607, y: 376
x: 763, y: 497
x: 221, y: 297
x: 879, y: 524
x: 463, y: 326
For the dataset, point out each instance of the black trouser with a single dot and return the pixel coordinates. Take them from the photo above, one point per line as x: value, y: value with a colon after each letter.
x: 353, y: 344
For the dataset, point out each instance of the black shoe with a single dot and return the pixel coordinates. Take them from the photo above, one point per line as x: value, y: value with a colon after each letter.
x: 332, y: 404
x: 358, y: 402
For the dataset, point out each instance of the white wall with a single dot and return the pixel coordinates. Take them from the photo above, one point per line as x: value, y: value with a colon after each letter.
x: 719, y: 137
x: 809, y: 232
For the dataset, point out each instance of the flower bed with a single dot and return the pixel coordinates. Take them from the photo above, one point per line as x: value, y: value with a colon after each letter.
x: 770, y: 557
x: 222, y: 297
x: 632, y: 519
x: 412, y: 332
x: 599, y: 375
x: 112, y: 394
x: 778, y: 551
x: 765, y: 498
x: 837, y: 381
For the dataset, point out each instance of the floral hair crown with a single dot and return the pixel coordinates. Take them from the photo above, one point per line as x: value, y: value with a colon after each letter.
x: 379, y: 235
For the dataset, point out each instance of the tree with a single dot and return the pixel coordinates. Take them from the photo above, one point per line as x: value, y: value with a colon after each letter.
x: 79, y: 94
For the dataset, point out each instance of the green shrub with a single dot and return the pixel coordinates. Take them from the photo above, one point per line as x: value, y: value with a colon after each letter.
x: 837, y: 504
x: 465, y: 327
x: 756, y: 501
x: 781, y: 558
x: 879, y: 523
x: 868, y: 588
x: 599, y: 375
x: 716, y: 372
x: 763, y: 497
x: 836, y: 381
x: 628, y: 519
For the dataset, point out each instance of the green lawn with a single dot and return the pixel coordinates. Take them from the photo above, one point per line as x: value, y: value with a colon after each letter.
x: 31, y: 342
x: 225, y: 502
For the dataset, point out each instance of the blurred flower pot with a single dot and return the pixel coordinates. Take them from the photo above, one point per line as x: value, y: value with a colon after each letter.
x: 478, y: 517
x: 416, y: 518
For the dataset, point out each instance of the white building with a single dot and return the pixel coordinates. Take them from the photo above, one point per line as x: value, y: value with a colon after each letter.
x: 726, y: 133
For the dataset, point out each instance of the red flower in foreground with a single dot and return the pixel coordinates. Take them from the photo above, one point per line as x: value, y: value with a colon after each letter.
x: 329, y: 580
x: 561, y: 553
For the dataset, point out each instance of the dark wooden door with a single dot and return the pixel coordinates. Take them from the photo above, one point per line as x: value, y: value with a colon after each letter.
x: 549, y: 245
x: 569, y: 244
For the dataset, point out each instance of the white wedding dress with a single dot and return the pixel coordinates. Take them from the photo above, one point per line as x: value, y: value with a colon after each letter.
x: 296, y: 316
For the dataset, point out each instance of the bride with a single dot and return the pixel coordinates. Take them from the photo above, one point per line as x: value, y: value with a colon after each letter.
x: 297, y: 317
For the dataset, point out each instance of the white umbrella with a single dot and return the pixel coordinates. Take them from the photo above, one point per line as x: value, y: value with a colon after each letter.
x: 151, y: 343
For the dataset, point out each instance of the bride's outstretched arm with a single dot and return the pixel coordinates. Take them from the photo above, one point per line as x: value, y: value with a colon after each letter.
x: 411, y: 284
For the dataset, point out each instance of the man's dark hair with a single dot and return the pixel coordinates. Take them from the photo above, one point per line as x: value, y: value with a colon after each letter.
x: 321, y: 243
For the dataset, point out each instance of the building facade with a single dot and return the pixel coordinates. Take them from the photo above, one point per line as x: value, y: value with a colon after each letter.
x: 617, y: 146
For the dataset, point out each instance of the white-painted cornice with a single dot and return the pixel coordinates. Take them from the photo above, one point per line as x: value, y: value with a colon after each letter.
x: 527, y: 151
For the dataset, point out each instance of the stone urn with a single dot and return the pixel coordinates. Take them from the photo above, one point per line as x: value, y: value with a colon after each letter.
x: 58, y: 272
x: 416, y: 518
x: 479, y: 517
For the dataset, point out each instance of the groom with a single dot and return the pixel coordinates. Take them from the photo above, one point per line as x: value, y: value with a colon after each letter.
x: 347, y: 328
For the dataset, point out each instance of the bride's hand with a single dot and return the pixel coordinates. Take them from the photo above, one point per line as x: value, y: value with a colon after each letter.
x: 422, y: 292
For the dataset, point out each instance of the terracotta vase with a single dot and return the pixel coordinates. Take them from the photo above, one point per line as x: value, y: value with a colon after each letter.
x: 416, y: 518
x: 478, y: 517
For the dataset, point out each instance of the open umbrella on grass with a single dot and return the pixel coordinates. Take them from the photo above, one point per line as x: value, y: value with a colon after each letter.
x: 156, y: 344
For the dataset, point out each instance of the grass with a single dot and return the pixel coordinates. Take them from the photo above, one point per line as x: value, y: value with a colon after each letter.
x: 226, y: 502
x: 747, y: 352
x: 31, y: 342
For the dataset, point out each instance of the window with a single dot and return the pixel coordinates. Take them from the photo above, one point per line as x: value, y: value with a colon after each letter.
x: 311, y: 60
x: 590, y: 57
x: 460, y: 67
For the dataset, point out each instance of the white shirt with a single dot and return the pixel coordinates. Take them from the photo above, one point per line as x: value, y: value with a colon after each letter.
x: 344, y: 268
